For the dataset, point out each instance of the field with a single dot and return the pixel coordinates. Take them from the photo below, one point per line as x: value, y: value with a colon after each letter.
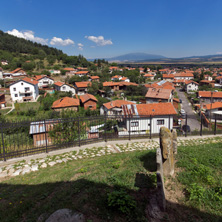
x: 118, y: 186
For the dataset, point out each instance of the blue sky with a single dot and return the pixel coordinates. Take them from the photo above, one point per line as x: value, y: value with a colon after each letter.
x: 103, y: 29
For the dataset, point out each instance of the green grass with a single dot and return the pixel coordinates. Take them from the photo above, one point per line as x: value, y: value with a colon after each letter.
x: 202, y: 177
x: 84, y: 186
x: 4, y: 111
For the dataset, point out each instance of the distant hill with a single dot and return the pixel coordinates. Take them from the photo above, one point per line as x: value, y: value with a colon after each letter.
x: 134, y: 57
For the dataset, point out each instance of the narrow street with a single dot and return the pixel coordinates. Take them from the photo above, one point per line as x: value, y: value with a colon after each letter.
x: 191, y: 119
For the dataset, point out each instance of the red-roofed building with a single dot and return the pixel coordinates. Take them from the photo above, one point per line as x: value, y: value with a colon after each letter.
x: 114, y: 107
x: 66, y: 103
x: 209, y: 96
x: 25, y: 89
x: 82, y: 87
x: 44, y: 81
x: 159, y: 95
x: 184, y: 75
x: 94, y: 78
x: 88, y: 101
x: 146, y: 117
x: 64, y: 87
x: 149, y: 76
x: 191, y: 86
x: 82, y: 73
x: 168, y: 77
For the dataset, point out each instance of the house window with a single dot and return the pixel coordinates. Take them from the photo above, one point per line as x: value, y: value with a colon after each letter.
x: 90, y: 107
x: 16, y: 95
x: 133, y: 124
x: 27, y: 88
x: 64, y: 87
x: 22, y: 83
x: 14, y: 89
x: 160, y: 122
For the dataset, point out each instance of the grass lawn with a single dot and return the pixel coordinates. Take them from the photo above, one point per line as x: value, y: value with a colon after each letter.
x: 84, y: 186
x: 29, y: 105
x: 4, y: 111
x: 201, y: 177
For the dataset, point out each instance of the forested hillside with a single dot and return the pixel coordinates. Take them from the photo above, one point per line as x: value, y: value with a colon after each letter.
x: 17, y: 51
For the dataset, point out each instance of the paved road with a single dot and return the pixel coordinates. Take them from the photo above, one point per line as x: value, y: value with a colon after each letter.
x: 192, y: 119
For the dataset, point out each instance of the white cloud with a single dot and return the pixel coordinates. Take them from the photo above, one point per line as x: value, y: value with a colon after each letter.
x: 219, y: 53
x: 80, y: 46
x: 61, y: 42
x: 28, y: 35
x: 100, y: 41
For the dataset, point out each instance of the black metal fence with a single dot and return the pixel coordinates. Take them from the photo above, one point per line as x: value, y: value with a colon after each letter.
x: 32, y: 137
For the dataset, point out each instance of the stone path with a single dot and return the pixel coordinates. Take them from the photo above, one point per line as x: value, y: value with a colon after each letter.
x: 27, y: 165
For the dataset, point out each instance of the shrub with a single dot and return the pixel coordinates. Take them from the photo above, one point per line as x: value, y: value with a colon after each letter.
x: 121, y: 201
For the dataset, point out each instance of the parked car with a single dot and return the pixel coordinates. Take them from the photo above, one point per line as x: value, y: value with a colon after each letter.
x: 183, y: 113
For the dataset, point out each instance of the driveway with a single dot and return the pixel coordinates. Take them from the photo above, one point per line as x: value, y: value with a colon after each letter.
x: 191, y: 118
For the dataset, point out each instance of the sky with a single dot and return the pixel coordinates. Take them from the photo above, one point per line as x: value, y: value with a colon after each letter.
x: 104, y: 29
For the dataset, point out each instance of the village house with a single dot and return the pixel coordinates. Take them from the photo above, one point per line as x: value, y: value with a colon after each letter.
x: 191, y: 86
x: 113, y: 68
x: 18, y: 72
x: 64, y: 87
x: 1, y: 73
x: 212, y: 108
x: 114, y: 107
x: 209, y: 97
x: 44, y: 81
x: 149, y: 76
x: 112, y: 85
x: 94, y: 78
x: 168, y: 77
x: 82, y: 73
x: 70, y: 71
x: 161, y: 84
x: 159, y: 95
x: 184, y: 75
x: 55, y: 72
x: 88, y: 101
x: 120, y: 78
x: 2, y: 101
x: 82, y: 87
x: 66, y: 103
x: 141, y: 118
x: 25, y: 89
x: 4, y: 62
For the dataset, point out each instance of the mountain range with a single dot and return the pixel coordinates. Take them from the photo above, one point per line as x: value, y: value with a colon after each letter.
x: 152, y: 58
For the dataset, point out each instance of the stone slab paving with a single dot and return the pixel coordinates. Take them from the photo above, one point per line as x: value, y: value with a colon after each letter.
x: 25, y: 165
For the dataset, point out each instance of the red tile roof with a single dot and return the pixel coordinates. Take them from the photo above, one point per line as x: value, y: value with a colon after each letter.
x: 69, y: 69
x: 81, y: 72
x: 65, y: 102
x: 158, y: 93
x: 29, y: 80
x: 154, y: 109
x: 16, y: 70
x: 83, y: 84
x: 59, y: 83
x: 168, y: 76
x: 213, y: 105
x: 208, y: 94
x: 94, y: 77
x: 116, y: 104
x: 190, y: 81
x: 38, y: 77
x: 184, y: 74
x: 86, y: 97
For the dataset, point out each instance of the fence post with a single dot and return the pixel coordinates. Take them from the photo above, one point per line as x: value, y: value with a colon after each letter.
x: 46, y: 144
x: 129, y: 128
x: 186, y: 127
x: 215, y: 124
x: 150, y: 127
x: 201, y: 124
x: 105, y: 128
x: 79, y: 132
x: 3, y: 144
x: 169, y: 123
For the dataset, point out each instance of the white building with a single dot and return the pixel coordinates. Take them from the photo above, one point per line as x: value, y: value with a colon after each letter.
x: 24, y: 90
x: 64, y: 87
x: 145, y: 117
x: 44, y: 81
x: 191, y: 86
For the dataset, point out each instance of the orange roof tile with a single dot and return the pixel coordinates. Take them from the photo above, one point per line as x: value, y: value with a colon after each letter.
x: 116, y: 104
x: 184, y: 74
x: 94, y: 77
x: 16, y: 70
x: 213, y: 105
x: 154, y: 109
x: 59, y: 83
x: 65, y: 102
x: 168, y: 76
x: 86, y: 97
x: 81, y: 72
x: 29, y: 80
x: 208, y: 94
x: 83, y: 84
x: 190, y: 81
x: 158, y: 93
x: 69, y: 69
